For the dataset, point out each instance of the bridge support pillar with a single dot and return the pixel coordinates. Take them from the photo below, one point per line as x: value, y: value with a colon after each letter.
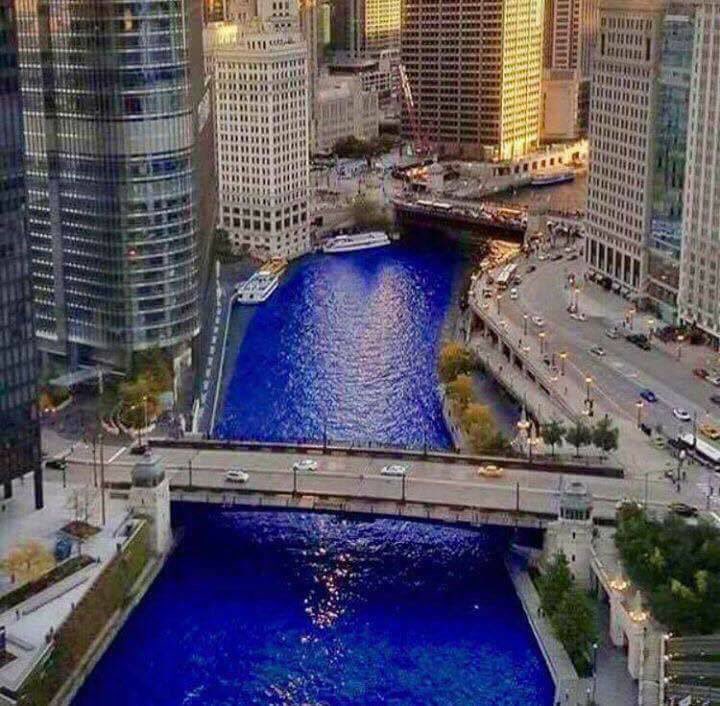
x: 150, y: 498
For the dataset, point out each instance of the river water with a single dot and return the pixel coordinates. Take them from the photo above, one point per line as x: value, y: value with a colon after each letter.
x: 289, y: 609
x: 347, y: 347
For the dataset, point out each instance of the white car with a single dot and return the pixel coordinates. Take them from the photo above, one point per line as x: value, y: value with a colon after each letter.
x: 490, y: 471
x: 612, y: 333
x: 682, y: 414
x: 513, y: 293
x: 578, y: 316
x: 538, y: 320
x: 237, y: 475
x: 307, y: 464
x: 598, y: 351
x: 394, y: 470
x: 542, y: 257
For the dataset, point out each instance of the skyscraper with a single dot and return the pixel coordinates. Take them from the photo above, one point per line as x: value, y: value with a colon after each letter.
x: 111, y: 175
x: 623, y: 109
x: 19, y: 423
x: 365, y: 28
x: 474, y: 67
x: 262, y: 132
x: 699, y: 297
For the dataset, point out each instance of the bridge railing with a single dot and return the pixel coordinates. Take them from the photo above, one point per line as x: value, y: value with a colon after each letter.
x: 582, y: 467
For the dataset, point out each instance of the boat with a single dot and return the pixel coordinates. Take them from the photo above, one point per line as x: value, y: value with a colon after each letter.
x: 552, y: 178
x: 276, y: 266
x: 356, y: 241
x: 257, y: 289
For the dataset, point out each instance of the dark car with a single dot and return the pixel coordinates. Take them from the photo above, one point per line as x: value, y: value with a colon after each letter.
x: 648, y: 395
x: 683, y: 510
x: 531, y: 268
x: 556, y: 257
x: 715, y: 399
x: 59, y: 464
x: 138, y: 449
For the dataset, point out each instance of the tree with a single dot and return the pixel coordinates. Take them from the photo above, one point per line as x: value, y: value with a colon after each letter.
x: 479, y: 426
x: 578, y: 435
x: 556, y: 582
x: 454, y: 360
x: 574, y: 625
x: 605, y: 435
x: 27, y: 561
x: 460, y: 390
x: 81, y: 502
x: 552, y: 434
x: 367, y: 213
x: 350, y: 147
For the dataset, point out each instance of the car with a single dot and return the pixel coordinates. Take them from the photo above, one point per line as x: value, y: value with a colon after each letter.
x: 577, y: 316
x: 538, y: 321
x: 612, y: 333
x: 700, y: 372
x: 572, y: 258
x: 517, y: 281
x: 488, y: 293
x: 682, y: 414
x: 306, y: 464
x: 556, y: 257
x: 237, y: 475
x: 714, y: 380
x: 59, y: 464
x: 138, y: 449
x: 530, y: 269
x: 598, y: 351
x: 542, y: 257
x: 513, y: 293
x: 715, y: 399
x: 648, y: 395
x: 490, y: 471
x: 710, y: 431
x: 683, y: 509
x: 569, y: 250
x: 393, y: 470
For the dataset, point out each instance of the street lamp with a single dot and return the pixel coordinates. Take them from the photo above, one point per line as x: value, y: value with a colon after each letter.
x: 588, y: 382
x: 680, y: 340
x: 525, y: 324
x: 541, y: 336
x: 497, y: 301
x: 651, y: 327
x: 639, y: 405
x: 563, y: 355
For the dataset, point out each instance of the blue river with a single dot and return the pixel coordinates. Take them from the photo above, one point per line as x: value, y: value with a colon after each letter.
x: 347, y: 348
x: 285, y: 609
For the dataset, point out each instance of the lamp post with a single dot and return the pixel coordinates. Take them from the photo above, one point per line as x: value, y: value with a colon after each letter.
x: 594, y: 684
x: 525, y: 324
x: 190, y: 472
x: 563, y: 356
x: 588, y: 382
x: 639, y: 405
x: 651, y: 327
x: 497, y: 302
x: 588, y: 399
x: 680, y: 340
x: 541, y: 336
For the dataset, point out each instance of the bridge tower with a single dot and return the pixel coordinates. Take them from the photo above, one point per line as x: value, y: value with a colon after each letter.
x: 572, y: 532
x: 150, y: 497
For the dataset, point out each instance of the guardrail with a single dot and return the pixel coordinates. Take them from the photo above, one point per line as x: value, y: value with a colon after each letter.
x: 541, y: 465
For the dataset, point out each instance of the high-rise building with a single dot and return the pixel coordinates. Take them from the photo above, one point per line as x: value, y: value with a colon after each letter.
x: 671, y: 124
x: 622, y: 130
x: 699, y: 297
x: 364, y: 28
x: 19, y: 422
x: 262, y: 133
x: 474, y: 67
x: 111, y: 176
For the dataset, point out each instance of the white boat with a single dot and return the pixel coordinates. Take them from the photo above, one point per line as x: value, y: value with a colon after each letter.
x: 356, y: 241
x: 257, y: 289
x: 551, y: 178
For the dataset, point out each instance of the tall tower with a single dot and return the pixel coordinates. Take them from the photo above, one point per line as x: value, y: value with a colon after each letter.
x: 19, y: 424
x: 625, y: 83
x: 474, y: 67
x: 111, y: 177
x: 262, y: 133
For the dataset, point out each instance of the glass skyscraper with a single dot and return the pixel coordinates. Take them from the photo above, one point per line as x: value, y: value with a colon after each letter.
x: 19, y: 423
x: 670, y: 141
x: 112, y: 196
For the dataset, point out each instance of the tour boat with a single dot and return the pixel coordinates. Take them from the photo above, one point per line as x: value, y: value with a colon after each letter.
x: 257, y: 289
x: 356, y: 241
x: 552, y: 178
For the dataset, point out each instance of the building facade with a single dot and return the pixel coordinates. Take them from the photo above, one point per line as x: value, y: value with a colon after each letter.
x: 365, y: 28
x: 699, y: 296
x: 19, y: 421
x: 344, y: 109
x: 671, y: 128
x: 474, y: 67
x: 622, y: 129
x: 262, y: 130
x: 111, y: 176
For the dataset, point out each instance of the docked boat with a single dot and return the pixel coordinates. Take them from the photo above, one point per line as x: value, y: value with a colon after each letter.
x: 552, y: 178
x: 257, y: 289
x: 276, y: 266
x: 356, y: 241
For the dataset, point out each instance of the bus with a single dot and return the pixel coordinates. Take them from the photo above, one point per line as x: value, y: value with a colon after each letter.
x: 505, y: 276
x: 707, y: 453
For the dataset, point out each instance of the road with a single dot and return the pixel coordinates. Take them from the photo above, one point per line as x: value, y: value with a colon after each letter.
x: 427, y: 481
x: 625, y: 370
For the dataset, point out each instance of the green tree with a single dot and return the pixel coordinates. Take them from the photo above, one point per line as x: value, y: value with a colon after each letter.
x: 605, y: 435
x: 575, y: 626
x: 556, y: 582
x: 454, y: 360
x: 481, y: 431
x: 578, y: 435
x: 460, y: 390
x: 350, y: 147
x: 367, y: 213
x: 552, y: 434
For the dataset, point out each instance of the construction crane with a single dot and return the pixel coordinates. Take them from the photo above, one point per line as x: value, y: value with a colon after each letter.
x: 421, y: 143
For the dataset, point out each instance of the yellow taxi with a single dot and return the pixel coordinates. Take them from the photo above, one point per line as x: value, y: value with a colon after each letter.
x: 490, y: 471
